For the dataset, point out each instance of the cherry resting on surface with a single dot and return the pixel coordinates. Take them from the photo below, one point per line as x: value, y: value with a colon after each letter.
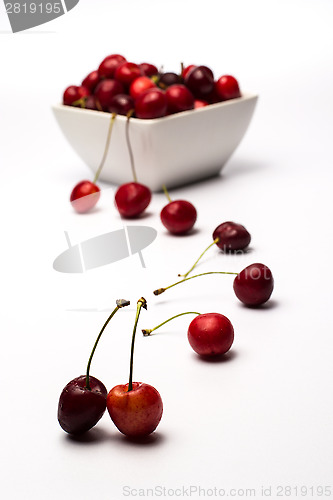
x: 82, y: 402
x: 227, y: 87
x: 74, y: 93
x: 135, y: 408
x: 132, y: 199
x: 209, y: 334
x: 178, y: 216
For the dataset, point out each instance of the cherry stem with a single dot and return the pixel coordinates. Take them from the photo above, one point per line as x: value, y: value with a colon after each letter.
x: 106, y: 149
x: 166, y: 193
x: 120, y: 303
x: 146, y: 333
x: 141, y: 303
x: 129, y: 146
x: 195, y: 263
x: 161, y: 290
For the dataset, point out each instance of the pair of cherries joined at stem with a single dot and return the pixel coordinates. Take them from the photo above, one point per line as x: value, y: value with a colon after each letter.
x: 135, y: 408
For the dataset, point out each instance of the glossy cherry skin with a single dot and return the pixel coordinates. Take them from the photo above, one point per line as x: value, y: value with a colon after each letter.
x: 135, y: 413
x: 179, y: 98
x: 121, y: 104
x: 148, y: 69
x: 200, y: 81
x: 80, y: 408
x: 227, y: 87
x: 179, y: 216
x: 139, y: 85
x: 105, y: 91
x: 84, y: 196
x: 109, y: 64
x: 254, y: 285
x: 74, y: 93
x: 232, y: 236
x: 127, y: 72
x: 132, y: 199
x: 151, y: 103
x: 210, y: 334
x: 91, y: 81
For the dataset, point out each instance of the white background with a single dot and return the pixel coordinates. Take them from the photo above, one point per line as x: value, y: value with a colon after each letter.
x: 264, y: 416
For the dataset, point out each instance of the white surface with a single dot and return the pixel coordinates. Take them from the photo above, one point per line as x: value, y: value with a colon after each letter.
x: 263, y: 418
x: 172, y: 151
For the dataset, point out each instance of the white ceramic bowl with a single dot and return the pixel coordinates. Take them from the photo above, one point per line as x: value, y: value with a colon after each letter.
x: 173, y: 150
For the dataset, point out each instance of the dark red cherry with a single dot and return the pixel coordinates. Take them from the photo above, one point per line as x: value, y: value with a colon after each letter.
x: 81, y: 408
x: 254, y: 285
x: 84, y: 196
x: 168, y: 79
x: 179, y: 216
x: 210, y: 334
x: 109, y: 64
x: 200, y: 81
x: 132, y: 199
x: 148, y: 69
x: 139, y: 85
x: 105, y: 91
x: 227, y: 87
x: 91, y: 81
x: 121, y: 104
x: 152, y: 103
x: 127, y: 72
x: 74, y: 93
x: 179, y: 98
x: 91, y: 103
x: 231, y: 236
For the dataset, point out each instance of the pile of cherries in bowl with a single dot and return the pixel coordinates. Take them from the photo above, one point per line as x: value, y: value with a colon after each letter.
x: 122, y: 87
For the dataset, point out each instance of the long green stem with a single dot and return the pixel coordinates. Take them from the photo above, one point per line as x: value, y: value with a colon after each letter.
x: 148, y: 332
x: 129, y: 146
x: 106, y: 149
x: 141, y: 303
x: 166, y: 193
x: 120, y: 303
x: 195, y: 263
x: 161, y: 290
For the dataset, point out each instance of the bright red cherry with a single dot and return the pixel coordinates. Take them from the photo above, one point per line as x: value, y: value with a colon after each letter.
x: 179, y: 216
x: 132, y: 199
x: 105, y: 91
x: 121, y: 104
x: 210, y: 334
x: 231, y: 236
x: 91, y: 81
x: 179, y: 98
x: 148, y: 69
x: 254, y: 285
x: 187, y: 70
x: 227, y: 87
x: 139, y: 85
x: 200, y: 103
x: 74, y: 93
x: 127, y: 72
x: 109, y: 65
x: 200, y: 81
x: 84, y: 196
x: 151, y: 103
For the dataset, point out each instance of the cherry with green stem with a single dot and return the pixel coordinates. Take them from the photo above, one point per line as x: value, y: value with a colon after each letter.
x: 230, y: 237
x: 86, y: 194
x: 135, y: 408
x: 178, y: 216
x: 82, y: 402
x: 253, y: 285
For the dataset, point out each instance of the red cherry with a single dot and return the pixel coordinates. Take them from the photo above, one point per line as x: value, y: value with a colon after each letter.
x: 91, y: 81
x: 148, y: 69
x: 187, y: 70
x: 210, y: 334
x: 105, y: 91
x: 91, y: 103
x: 231, y: 236
x: 121, y: 104
x: 139, y: 85
x: 109, y: 65
x: 254, y: 285
x: 81, y: 408
x: 84, y: 196
x: 227, y: 87
x: 199, y: 103
x: 179, y: 216
x: 132, y: 199
x: 151, y: 104
x: 179, y: 98
x: 127, y: 72
x: 200, y: 81
x: 74, y: 93
x: 135, y: 413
